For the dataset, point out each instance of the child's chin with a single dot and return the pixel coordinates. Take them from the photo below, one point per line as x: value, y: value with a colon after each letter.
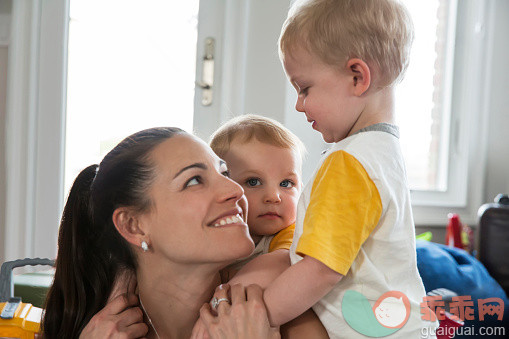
x: 327, y: 139
x: 261, y: 232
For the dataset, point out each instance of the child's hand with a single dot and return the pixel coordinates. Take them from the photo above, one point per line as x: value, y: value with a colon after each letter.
x: 245, y: 318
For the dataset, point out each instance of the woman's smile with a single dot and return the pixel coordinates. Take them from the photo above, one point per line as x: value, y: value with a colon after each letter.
x: 229, y: 220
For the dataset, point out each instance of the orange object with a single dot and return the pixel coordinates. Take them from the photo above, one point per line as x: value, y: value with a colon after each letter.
x: 24, y: 325
x: 453, y: 233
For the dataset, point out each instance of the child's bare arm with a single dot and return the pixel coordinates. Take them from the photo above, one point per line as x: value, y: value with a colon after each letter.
x: 297, y: 289
x: 305, y: 326
x: 263, y: 269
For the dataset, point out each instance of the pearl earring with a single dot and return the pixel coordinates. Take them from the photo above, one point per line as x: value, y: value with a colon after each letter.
x: 144, y: 246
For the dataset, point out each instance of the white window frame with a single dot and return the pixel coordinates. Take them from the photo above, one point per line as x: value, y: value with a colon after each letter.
x: 35, y: 127
x: 468, y: 121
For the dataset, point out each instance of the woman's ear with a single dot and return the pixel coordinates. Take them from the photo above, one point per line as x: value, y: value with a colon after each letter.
x: 360, y: 74
x: 127, y: 223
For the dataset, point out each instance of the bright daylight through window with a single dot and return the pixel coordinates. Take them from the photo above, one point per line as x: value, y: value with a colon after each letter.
x: 126, y: 76
x: 423, y: 99
x: 136, y: 71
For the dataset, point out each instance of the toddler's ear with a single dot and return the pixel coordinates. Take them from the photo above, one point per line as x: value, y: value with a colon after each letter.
x: 360, y: 74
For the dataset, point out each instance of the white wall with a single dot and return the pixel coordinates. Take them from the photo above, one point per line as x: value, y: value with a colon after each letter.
x: 5, y: 13
x: 266, y: 86
x: 3, y: 188
x: 33, y: 133
x: 497, y: 174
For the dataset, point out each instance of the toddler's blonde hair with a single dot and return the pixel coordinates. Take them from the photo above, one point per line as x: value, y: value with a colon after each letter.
x: 379, y: 32
x: 244, y: 128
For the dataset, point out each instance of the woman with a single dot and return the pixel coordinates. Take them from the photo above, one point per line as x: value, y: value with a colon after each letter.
x: 150, y: 206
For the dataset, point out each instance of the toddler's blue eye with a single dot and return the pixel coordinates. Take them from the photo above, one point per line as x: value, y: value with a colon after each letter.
x: 286, y: 183
x: 253, y: 182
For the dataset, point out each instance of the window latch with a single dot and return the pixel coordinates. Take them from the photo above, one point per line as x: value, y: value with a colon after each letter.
x: 207, y: 82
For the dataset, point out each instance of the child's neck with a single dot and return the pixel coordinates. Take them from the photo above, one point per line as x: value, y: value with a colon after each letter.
x: 256, y: 238
x: 378, y: 108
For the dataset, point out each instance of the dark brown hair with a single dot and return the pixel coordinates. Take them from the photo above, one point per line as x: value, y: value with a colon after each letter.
x: 90, y: 250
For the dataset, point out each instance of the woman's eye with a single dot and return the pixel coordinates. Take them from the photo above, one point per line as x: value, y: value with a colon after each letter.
x: 287, y: 183
x: 253, y: 182
x: 303, y: 91
x: 226, y: 173
x: 193, y: 181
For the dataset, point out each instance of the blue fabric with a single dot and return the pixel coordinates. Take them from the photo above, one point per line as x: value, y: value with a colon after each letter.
x: 455, y: 269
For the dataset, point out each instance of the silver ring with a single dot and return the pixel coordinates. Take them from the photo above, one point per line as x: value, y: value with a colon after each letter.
x: 215, y: 302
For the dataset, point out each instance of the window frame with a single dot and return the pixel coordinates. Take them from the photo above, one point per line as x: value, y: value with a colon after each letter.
x: 469, y: 118
x: 34, y: 125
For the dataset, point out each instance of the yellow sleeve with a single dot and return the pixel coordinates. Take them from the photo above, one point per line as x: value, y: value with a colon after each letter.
x: 283, y: 239
x: 343, y: 210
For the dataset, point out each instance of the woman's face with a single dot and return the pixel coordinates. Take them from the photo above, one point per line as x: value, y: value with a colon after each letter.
x: 198, y: 214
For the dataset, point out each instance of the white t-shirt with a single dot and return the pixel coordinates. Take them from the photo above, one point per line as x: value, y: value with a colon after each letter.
x: 355, y: 216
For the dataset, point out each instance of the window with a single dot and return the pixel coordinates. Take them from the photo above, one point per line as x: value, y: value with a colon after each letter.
x: 134, y: 72
x: 445, y: 165
x: 424, y: 96
x: 37, y: 95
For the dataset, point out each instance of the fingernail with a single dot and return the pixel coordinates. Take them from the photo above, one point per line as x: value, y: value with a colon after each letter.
x: 222, y: 286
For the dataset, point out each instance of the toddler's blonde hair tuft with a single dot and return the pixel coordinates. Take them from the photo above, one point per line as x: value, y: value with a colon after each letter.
x: 379, y: 32
x: 244, y: 128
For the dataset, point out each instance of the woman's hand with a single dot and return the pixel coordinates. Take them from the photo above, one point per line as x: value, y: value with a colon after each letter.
x: 200, y: 330
x: 245, y: 318
x: 120, y: 319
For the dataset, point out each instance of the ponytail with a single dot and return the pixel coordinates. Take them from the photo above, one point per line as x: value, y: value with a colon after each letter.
x: 80, y: 272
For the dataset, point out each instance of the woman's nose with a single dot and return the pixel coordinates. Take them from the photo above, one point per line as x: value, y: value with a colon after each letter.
x: 230, y: 190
